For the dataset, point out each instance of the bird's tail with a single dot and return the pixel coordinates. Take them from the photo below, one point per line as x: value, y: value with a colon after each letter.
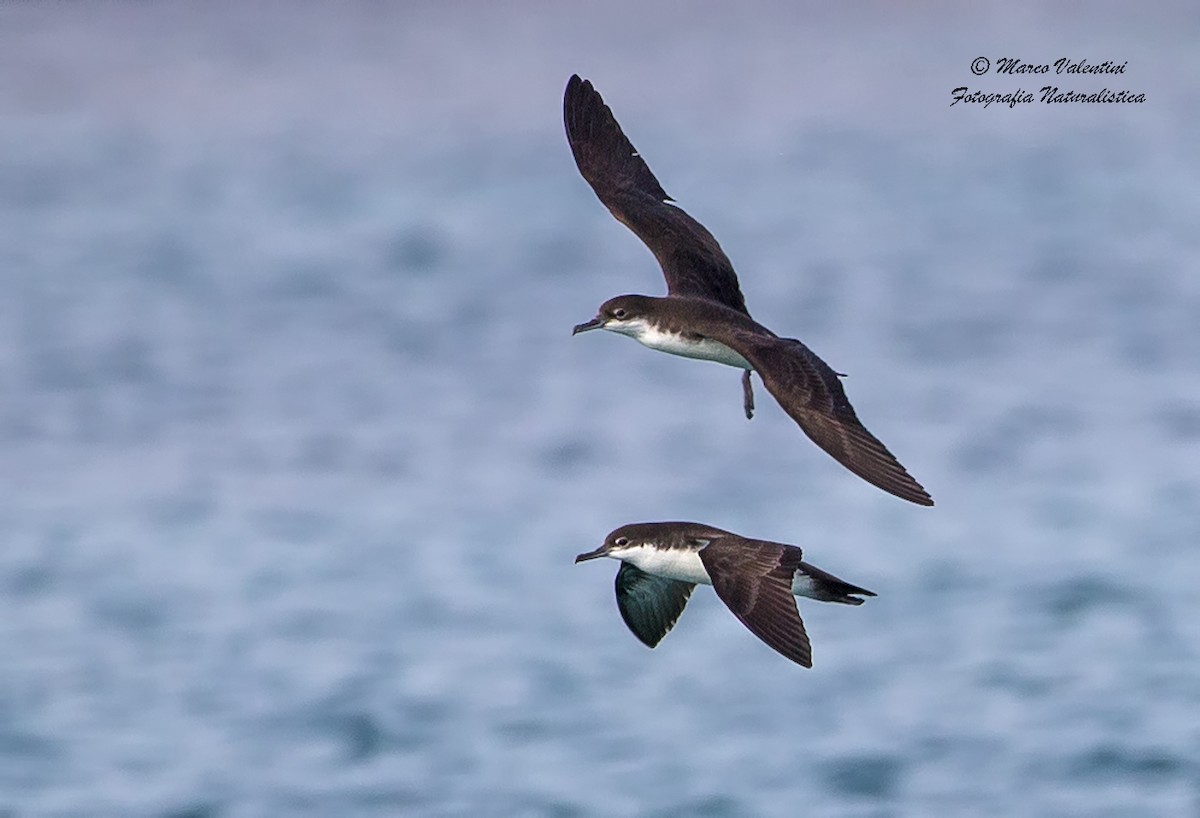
x: 826, y: 587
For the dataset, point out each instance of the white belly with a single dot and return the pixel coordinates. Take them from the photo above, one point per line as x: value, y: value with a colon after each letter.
x: 705, y: 349
x: 674, y: 563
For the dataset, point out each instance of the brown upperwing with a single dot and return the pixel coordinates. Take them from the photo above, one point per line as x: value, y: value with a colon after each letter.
x: 692, y: 261
x: 754, y: 579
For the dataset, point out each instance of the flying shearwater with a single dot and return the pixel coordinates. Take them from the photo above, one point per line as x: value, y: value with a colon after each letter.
x: 661, y: 563
x: 704, y: 314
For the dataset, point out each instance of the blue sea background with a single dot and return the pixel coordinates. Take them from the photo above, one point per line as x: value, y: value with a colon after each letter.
x: 297, y: 449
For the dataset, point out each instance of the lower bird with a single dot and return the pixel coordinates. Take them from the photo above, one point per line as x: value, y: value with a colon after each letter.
x: 661, y: 563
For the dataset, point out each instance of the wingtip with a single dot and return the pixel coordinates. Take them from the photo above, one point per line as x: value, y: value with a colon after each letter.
x: 890, y: 475
x: 894, y: 479
x: 803, y: 659
x: 922, y: 499
x: 577, y: 85
x: 652, y: 644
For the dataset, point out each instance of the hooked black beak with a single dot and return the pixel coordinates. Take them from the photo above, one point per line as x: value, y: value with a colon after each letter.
x: 595, y: 323
x: 591, y: 555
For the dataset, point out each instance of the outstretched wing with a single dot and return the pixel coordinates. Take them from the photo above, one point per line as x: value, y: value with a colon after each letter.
x: 812, y: 394
x: 692, y: 261
x: 650, y: 605
x: 754, y: 579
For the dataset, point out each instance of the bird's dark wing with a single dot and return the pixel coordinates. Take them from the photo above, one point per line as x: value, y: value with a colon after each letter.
x: 754, y: 579
x: 650, y: 605
x: 692, y: 261
x: 812, y: 394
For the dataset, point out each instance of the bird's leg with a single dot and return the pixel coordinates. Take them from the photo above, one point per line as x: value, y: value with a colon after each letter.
x: 747, y: 394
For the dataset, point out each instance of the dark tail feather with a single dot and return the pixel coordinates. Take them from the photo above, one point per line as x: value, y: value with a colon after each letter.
x: 828, y: 588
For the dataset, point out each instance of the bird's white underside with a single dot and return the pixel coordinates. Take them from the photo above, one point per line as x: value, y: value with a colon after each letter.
x: 675, y: 344
x: 685, y: 565
x: 673, y: 563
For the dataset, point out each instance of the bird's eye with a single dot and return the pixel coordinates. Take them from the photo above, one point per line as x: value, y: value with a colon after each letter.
x: 621, y: 542
x: 618, y: 313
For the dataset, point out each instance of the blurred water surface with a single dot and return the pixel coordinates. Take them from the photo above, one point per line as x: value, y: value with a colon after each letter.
x: 297, y: 449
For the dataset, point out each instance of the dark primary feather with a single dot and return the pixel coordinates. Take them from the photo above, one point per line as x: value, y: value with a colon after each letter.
x: 811, y: 393
x: 650, y: 605
x: 692, y: 261
x: 754, y: 579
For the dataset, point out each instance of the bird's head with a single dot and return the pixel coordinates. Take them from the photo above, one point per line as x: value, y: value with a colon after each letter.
x: 617, y: 545
x: 625, y: 314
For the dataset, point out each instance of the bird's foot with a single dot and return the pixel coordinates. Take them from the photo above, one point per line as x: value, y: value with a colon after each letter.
x: 747, y: 395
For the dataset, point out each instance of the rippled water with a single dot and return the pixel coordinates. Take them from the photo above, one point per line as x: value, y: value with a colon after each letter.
x: 298, y: 449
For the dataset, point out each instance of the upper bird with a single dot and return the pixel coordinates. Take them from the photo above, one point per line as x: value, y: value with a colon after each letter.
x: 704, y: 314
